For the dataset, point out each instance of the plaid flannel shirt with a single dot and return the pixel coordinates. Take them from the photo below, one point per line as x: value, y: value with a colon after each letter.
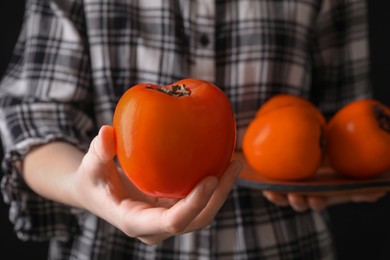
x: 74, y: 59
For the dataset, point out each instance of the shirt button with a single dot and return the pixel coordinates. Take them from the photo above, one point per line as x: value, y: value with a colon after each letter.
x: 204, y: 40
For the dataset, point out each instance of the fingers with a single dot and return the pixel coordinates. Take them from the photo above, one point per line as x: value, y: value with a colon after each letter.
x: 199, y: 208
x: 225, y: 185
x: 356, y: 198
x: 98, y: 163
x: 188, y: 214
x: 317, y: 203
x: 99, y: 158
x: 368, y: 197
x: 103, y: 145
x: 204, y: 202
x: 177, y: 218
x: 152, y: 224
x: 276, y: 198
x: 219, y: 196
x: 302, y: 203
x: 298, y: 202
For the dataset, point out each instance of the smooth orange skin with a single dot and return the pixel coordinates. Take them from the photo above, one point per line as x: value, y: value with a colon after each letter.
x: 167, y: 144
x: 283, y: 100
x: 356, y: 146
x: 284, y: 144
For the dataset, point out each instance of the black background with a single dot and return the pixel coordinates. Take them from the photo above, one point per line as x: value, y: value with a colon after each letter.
x: 362, y: 230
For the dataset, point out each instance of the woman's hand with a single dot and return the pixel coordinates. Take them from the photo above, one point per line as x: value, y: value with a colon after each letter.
x: 95, y: 183
x: 302, y: 203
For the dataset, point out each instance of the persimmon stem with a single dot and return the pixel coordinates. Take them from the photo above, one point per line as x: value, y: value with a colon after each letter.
x: 382, y: 117
x: 175, y: 90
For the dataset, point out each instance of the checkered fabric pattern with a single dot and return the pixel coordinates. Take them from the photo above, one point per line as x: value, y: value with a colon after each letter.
x: 75, y: 58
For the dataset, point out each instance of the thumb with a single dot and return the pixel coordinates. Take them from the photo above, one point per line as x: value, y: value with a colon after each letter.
x: 102, y: 147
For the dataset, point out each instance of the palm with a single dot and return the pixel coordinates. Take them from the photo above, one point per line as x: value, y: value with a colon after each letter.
x: 107, y: 192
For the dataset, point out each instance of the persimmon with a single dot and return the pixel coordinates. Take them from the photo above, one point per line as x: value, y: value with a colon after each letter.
x: 168, y: 138
x: 284, y: 143
x: 284, y: 99
x: 358, y: 139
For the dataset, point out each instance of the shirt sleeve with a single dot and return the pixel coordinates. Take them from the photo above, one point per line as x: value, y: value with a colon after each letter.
x: 45, y: 95
x: 340, y: 53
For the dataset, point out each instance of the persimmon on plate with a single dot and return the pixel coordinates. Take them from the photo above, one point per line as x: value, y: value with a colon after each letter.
x: 358, y: 139
x: 284, y: 100
x: 285, y: 139
x: 325, y: 182
x: 290, y: 147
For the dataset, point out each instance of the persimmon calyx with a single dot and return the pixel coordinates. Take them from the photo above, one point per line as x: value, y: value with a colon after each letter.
x: 175, y: 90
x: 382, y: 118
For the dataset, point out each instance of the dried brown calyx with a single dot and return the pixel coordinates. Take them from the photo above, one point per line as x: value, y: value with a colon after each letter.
x: 175, y: 90
x: 382, y: 117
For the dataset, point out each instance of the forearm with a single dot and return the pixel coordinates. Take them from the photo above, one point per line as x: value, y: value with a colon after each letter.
x: 50, y: 169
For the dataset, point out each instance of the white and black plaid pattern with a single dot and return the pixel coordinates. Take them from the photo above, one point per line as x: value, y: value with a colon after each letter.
x: 75, y: 58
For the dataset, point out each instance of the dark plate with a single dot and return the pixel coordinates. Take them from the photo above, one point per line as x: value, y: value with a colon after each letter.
x: 324, y: 182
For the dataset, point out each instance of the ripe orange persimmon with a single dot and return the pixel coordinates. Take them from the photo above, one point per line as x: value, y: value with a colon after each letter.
x: 284, y: 143
x: 284, y: 99
x: 168, y: 138
x: 358, y: 139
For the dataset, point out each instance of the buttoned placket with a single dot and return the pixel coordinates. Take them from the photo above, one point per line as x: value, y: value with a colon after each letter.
x: 203, y: 65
